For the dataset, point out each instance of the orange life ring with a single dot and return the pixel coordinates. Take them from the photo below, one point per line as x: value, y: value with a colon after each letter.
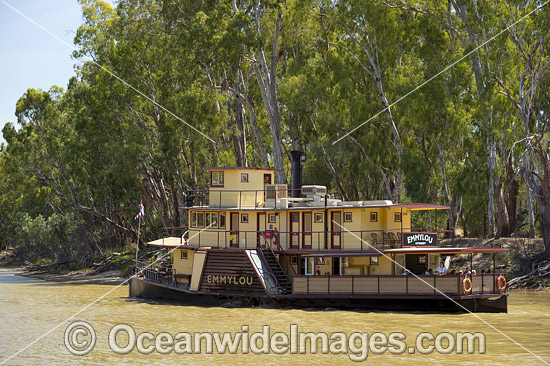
x: 501, y: 283
x: 469, y: 288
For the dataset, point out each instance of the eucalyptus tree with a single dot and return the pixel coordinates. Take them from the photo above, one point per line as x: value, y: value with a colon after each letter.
x: 168, y: 123
x: 470, y: 25
x: 524, y: 84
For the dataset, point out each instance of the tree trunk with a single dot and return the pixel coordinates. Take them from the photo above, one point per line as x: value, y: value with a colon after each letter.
x: 503, y: 223
x: 545, y: 221
x: 234, y: 109
x: 491, y: 164
x: 266, y: 77
x: 454, y: 212
x: 529, y: 194
x: 511, y: 196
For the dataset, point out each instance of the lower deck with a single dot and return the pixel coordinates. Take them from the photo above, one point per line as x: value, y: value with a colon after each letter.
x: 257, y: 277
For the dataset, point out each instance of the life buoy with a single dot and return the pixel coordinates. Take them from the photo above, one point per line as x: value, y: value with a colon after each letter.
x: 501, y: 283
x: 468, y: 289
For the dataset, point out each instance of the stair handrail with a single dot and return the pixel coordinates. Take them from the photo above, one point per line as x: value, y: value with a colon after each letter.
x: 261, y: 276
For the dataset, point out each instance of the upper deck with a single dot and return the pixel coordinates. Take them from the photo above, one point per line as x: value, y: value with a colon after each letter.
x: 243, y: 206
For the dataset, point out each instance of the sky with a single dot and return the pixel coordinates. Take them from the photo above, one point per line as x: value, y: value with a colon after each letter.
x: 30, y: 57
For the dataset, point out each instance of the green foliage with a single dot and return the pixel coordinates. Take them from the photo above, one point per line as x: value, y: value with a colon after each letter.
x: 78, y: 162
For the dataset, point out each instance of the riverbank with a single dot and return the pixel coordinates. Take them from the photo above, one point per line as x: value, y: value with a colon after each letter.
x: 104, y: 278
x: 99, y: 275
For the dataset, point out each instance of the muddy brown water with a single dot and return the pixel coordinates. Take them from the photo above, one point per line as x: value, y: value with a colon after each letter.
x: 30, y: 308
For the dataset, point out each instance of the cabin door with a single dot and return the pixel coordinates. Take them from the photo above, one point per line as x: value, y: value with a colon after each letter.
x: 335, y: 222
x: 336, y: 266
x: 306, y: 230
x: 234, y: 230
x: 294, y: 230
x: 260, y: 226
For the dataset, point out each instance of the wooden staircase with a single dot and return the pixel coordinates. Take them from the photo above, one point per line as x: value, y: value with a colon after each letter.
x: 273, y: 263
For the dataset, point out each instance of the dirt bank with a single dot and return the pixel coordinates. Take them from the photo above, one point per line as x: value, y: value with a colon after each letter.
x: 104, y: 278
x: 103, y: 274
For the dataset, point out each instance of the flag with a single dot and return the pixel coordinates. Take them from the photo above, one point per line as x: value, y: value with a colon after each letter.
x: 141, y: 212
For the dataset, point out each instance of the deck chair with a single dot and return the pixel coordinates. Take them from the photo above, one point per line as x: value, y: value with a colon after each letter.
x: 375, y: 241
x: 385, y: 240
x: 394, y: 242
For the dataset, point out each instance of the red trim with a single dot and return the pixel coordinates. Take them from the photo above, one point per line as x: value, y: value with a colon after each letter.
x: 234, y: 242
x: 294, y: 234
x: 357, y: 253
x: 258, y: 217
x: 333, y: 232
x: 424, y: 250
x: 304, y: 232
x: 221, y: 168
x: 421, y: 205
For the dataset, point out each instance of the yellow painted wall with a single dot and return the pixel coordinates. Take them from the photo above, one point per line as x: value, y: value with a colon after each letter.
x: 183, y: 266
x: 286, y: 264
x: 373, y: 226
x: 349, y: 240
x: 391, y: 224
x: 198, y: 264
x: 250, y: 194
x: 325, y: 267
x: 384, y: 267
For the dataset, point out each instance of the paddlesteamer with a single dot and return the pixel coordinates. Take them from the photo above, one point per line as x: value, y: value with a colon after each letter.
x: 253, y: 242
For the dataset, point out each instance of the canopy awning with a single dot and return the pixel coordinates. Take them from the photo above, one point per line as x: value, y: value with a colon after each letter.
x: 444, y: 250
x: 341, y: 254
x: 421, y: 206
x: 169, y: 242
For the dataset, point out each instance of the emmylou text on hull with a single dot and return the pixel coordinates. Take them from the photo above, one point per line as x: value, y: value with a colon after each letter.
x: 252, y: 241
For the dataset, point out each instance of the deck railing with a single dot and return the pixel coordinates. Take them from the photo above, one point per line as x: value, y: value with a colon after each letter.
x: 246, y: 198
x: 364, y: 241
x: 394, y: 285
x: 155, y: 272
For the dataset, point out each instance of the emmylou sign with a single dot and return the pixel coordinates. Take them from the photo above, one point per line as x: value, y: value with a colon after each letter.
x: 230, y: 280
x: 419, y: 239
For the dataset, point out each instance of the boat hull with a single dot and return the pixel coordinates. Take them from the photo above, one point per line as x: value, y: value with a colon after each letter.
x: 142, y: 288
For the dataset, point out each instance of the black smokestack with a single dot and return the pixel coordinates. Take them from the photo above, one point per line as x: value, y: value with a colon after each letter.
x: 296, y: 175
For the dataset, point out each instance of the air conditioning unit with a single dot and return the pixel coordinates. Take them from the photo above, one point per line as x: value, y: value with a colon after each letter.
x: 314, y: 190
x: 274, y: 192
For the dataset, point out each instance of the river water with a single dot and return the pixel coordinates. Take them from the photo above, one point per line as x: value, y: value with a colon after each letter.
x: 30, y: 308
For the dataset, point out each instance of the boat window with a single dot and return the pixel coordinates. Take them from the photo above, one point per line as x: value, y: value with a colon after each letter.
x: 272, y: 218
x: 200, y: 219
x: 347, y: 216
x: 215, y: 219
x: 216, y: 179
x: 318, y: 217
x: 208, y: 219
x: 194, y: 219
x: 244, y: 177
x: 184, y: 254
x: 244, y: 218
x: 222, y: 220
x: 374, y: 216
x: 397, y: 217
